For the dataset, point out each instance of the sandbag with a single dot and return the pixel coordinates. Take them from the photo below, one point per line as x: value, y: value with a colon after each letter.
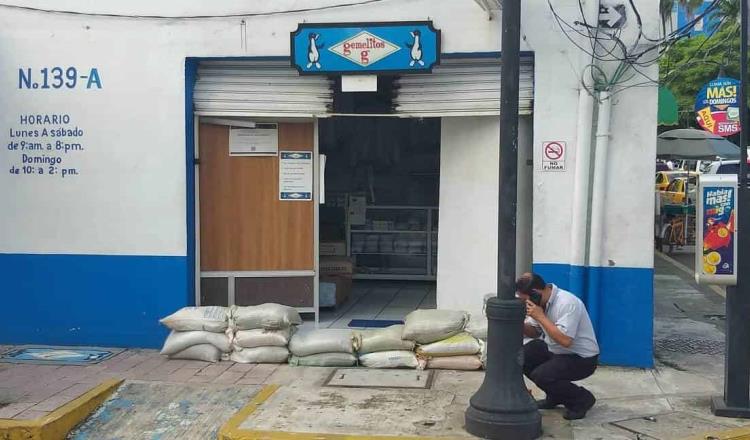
x: 260, y: 355
x: 268, y: 316
x: 211, y: 319
x: 389, y: 359
x: 200, y: 352
x: 384, y: 339
x: 477, y: 327
x: 329, y: 340
x: 178, y: 341
x: 451, y: 363
x: 324, y: 360
x: 263, y: 338
x: 457, y: 345
x: 427, y: 326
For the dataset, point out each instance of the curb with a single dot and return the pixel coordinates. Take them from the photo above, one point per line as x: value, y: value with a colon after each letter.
x: 57, y: 424
x: 231, y: 429
x: 742, y: 433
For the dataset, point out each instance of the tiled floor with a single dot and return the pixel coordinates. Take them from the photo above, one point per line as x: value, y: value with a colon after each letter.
x: 379, y: 300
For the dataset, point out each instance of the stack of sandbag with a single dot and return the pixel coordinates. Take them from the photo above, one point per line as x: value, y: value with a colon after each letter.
x: 442, y: 341
x: 198, y: 333
x: 385, y: 348
x: 261, y: 333
x: 323, y: 348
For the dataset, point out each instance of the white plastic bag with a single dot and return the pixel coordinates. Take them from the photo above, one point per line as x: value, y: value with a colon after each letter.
x: 451, y: 363
x: 324, y: 360
x: 384, y: 339
x: 263, y: 338
x: 178, y: 341
x: 268, y: 316
x: 260, y: 355
x: 389, y: 359
x: 329, y: 340
x: 211, y: 319
x: 200, y: 352
x: 427, y: 326
x: 457, y: 345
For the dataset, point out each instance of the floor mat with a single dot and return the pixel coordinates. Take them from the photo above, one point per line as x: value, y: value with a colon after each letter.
x: 373, y: 323
x: 47, y: 355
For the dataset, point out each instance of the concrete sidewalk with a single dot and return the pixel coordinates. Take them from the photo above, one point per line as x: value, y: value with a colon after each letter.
x: 170, y: 399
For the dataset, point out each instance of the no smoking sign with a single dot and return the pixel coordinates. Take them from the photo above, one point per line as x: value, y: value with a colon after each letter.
x: 553, y: 155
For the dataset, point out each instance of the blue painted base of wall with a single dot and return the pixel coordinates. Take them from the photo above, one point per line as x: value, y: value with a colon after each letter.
x: 90, y: 299
x: 620, y: 302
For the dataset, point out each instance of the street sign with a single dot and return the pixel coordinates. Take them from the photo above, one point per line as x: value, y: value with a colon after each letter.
x: 350, y: 48
x: 553, y: 156
x: 612, y: 16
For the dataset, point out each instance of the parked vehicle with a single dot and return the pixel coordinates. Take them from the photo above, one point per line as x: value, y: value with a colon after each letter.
x: 664, y: 178
x: 722, y: 167
x: 676, y: 191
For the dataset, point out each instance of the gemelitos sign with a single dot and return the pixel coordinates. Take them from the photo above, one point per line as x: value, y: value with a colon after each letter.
x: 403, y: 47
x: 717, y: 107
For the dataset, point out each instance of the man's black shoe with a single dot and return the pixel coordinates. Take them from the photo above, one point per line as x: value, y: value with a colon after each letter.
x: 546, y: 404
x: 579, y: 413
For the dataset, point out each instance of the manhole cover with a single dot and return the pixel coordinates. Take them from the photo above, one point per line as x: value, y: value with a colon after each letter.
x: 669, y: 425
x: 375, y: 378
x: 690, y: 345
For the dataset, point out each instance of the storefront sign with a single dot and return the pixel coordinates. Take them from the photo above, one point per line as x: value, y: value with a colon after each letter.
x: 717, y: 107
x: 263, y: 140
x: 716, y: 249
x: 295, y: 175
x: 324, y: 48
x: 553, y: 156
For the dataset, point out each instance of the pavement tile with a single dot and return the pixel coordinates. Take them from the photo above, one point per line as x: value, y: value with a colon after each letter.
x: 45, y: 391
x: 76, y: 390
x: 182, y: 375
x: 196, y: 364
x: 251, y: 380
x: 215, y: 370
x: 228, y: 377
x: 241, y: 368
x: 30, y: 414
x: 10, y: 411
x: 52, y: 403
x: 201, y: 379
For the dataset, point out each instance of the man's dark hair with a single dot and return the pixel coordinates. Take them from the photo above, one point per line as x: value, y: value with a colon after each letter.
x: 529, y: 282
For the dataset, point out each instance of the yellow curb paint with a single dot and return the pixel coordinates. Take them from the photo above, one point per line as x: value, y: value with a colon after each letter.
x: 57, y: 424
x: 742, y: 433
x: 231, y: 430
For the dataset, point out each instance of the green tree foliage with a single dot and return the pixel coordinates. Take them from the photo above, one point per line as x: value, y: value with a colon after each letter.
x: 692, y: 62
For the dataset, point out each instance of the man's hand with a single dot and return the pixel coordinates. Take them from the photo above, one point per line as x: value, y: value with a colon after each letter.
x: 534, y: 311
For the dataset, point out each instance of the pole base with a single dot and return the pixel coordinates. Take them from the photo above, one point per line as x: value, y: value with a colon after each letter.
x: 720, y: 409
x: 504, y: 425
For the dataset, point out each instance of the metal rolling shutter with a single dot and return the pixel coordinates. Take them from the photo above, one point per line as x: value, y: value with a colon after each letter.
x: 461, y: 87
x: 259, y: 88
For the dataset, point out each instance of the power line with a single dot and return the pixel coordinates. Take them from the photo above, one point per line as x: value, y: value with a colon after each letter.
x: 187, y: 17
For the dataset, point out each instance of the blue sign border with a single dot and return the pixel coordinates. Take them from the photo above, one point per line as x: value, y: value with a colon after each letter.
x: 303, y: 26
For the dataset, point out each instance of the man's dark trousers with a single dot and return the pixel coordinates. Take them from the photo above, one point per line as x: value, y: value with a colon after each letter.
x: 553, y: 373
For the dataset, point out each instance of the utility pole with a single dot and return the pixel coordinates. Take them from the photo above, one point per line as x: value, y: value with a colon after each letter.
x: 502, y: 408
x: 736, y: 399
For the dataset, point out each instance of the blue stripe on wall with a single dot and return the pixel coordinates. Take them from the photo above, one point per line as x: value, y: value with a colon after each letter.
x: 89, y: 299
x: 620, y: 302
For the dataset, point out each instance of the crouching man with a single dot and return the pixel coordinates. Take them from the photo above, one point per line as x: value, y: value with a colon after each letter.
x: 568, y: 351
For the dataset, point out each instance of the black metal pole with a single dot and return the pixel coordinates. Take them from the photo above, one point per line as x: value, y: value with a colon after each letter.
x: 502, y: 408
x: 736, y: 399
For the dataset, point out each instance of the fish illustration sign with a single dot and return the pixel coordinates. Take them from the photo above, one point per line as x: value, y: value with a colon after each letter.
x: 717, y: 107
x: 348, y: 48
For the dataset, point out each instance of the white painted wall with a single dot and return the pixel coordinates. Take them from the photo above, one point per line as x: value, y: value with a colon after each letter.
x: 469, y: 172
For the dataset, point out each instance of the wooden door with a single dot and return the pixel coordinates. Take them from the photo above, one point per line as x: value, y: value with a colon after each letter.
x: 244, y: 227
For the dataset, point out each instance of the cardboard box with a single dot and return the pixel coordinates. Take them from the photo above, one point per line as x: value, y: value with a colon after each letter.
x: 332, y: 248
x: 336, y: 266
x: 334, y: 290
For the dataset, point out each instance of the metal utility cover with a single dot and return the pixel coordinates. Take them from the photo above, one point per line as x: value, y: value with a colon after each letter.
x: 669, y: 425
x: 377, y: 378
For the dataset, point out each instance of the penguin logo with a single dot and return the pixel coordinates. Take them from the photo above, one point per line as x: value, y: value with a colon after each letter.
x: 416, y: 49
x: 313, y: 54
